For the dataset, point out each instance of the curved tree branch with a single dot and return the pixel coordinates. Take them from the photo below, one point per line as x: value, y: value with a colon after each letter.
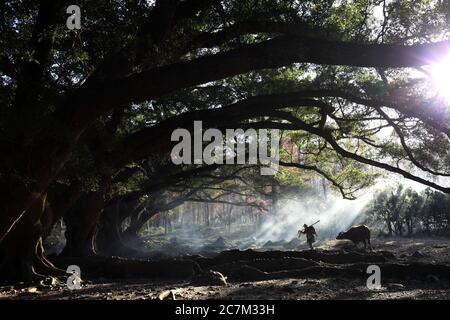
x: 322, y: 173
x: 405, y: 145
x: 298, y: 124
x: 91, y: 101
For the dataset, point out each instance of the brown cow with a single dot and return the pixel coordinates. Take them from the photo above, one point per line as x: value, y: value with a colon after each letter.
x: 357, y: 234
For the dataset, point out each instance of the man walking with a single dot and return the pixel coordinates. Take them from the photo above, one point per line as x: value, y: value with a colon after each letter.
x: 310, y: 235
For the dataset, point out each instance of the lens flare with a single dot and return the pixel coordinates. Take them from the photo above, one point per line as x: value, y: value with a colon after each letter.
x: 440, y: 75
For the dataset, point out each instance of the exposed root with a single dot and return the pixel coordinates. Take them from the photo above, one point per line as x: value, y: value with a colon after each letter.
x: 268, y: 265
x: 335, y: 257
x: 418, y: 271
x: 44, y: 266
x: 251, y: 265
x: 115, y: 267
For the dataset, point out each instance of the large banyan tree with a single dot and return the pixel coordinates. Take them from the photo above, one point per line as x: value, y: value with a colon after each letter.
x: 86, y: 115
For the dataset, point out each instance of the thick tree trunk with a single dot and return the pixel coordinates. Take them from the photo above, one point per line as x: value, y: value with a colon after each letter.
x: 131, y: 235
x: 22, y: 258
x: 15, y: 198
x: 61, y: 199
x: 81, y: 224
x: 109, y: 240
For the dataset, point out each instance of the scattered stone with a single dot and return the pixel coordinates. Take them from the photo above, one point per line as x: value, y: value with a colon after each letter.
x: 29, y: 291
x: 7, y: 288
x: 32, y: 290
x: 49, y: 281
x: 166, y: 295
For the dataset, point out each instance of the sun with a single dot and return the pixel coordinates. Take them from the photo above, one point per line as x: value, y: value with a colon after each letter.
x: 440, y: 76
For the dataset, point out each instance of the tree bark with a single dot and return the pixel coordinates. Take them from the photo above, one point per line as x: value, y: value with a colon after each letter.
x: 110, y: 240
x: 21, y: 252
x: 81, y: 223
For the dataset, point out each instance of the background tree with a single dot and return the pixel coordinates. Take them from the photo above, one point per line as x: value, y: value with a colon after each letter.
x: 399, y: 210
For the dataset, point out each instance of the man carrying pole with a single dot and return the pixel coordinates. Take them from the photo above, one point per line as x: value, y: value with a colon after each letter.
x: 310, y: 234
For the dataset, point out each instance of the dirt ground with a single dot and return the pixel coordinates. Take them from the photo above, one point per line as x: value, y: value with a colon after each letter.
x: 433, y: 251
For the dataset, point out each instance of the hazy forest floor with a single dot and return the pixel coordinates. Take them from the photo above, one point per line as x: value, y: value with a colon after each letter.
x: 428, y: 285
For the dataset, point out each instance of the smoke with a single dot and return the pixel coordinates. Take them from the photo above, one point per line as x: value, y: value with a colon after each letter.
x: 335, y: 215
